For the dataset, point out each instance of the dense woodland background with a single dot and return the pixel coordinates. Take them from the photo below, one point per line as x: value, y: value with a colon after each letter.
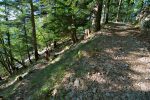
x: 31, y: 30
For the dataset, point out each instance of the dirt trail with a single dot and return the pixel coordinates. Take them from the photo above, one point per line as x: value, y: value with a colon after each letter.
x: 117, y: 67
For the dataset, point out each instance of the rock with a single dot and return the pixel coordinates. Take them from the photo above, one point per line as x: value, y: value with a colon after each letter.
x: 108, y: 94
x: 94, y: 90
x: 125, y: 66
x: 54, y: 92
x: 93, y: 66
x: 147, y: 78
x: 19, y: 98
x: 77, y: 83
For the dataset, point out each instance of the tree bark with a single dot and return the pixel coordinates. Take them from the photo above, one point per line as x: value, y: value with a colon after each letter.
x: 107, y: 14
x: 26, y: 40
x: 118, y: 13
x: 55, y: 44
x: 34, y: 32
x: 98, y: 12
x: 8, y: 51
x: 73, y: 35
x: 4, y: 64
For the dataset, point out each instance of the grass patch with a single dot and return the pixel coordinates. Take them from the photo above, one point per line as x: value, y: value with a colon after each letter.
x: 43, y: 81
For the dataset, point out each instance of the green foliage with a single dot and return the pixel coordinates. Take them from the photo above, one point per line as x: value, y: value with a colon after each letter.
x: 74, y: 14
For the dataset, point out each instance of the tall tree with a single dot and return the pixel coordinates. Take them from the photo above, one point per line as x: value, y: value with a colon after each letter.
x: 107, y: 14
x: 34, y: 32
x: 98, y: 13
x: 11, y: 61
x: 119, y: 8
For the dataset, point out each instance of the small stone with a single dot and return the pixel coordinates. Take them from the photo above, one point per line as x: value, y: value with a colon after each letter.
x: 76, y: 83
x: 108, y: 94
x: 18, y: 98
x: 147, y: 78
x: 126, y: 65
x: 54, y: 92
x: 94, y: 90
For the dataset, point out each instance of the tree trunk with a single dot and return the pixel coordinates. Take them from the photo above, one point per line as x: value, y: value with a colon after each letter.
x: 107, y: 14
x: 11, y: 62
x: 34, y: 32
x: 9, y: 54
x: 118, y: 13
x: 55, y: 44
x: 5, y: 65
x: 26, y: 40
x: 98, y: 12
x: 73, y: 35
x: 5, y: 59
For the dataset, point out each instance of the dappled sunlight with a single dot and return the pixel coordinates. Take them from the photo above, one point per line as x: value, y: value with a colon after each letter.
x: 55, y: 60
x: 109, y: 66
x: 142, y: 86
x: 11, y: 82
x: 115, y: 66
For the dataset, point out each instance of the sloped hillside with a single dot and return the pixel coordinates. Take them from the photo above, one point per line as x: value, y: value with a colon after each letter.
x: 110, y: 65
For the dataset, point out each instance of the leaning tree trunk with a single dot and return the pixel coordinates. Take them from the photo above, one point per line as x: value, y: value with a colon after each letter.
x: 118, y: 12
x: 5, y: 61
x: 98, y: 12
x: 34, y: 32
x: 107, y: 14
x: 9, y: 49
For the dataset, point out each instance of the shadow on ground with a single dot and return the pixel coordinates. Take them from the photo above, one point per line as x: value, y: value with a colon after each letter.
x: 96, y: 70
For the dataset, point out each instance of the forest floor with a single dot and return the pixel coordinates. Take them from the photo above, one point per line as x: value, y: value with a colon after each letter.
x: 111, y: 65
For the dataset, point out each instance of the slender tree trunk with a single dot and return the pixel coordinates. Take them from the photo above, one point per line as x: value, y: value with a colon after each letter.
x: 73, y: 30
x: 118, y: 13
x: 6, y: 60
x: 26, y: 40
x: 107, y: 14
x: 98, y: 12
x: 73, y: 35
x: 5, y: 65
x: 10, y: 52
x: 55, y: 44
x: 34, y: 32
